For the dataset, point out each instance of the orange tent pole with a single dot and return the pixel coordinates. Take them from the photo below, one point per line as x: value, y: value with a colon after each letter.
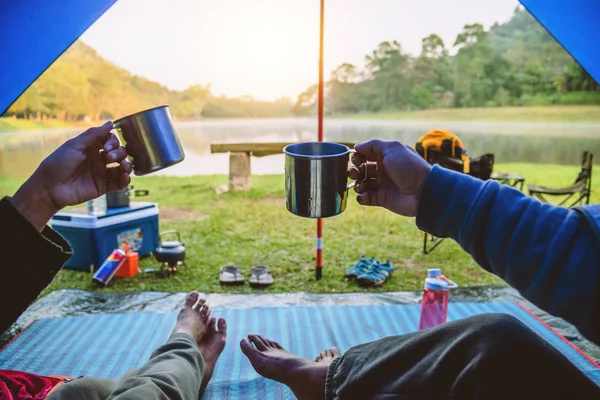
x: 319, y: 260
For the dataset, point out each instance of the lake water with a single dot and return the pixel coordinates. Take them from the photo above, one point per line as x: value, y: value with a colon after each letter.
x: 556, y: 143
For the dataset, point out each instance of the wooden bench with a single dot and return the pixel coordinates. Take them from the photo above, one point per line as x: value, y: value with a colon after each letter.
x: 240, y: 155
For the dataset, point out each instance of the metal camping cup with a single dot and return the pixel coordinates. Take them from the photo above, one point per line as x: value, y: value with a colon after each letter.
x: 150, y: 140
x: 316, y: 178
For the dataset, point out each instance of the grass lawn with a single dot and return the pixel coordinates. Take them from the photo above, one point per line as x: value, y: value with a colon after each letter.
x: 497, y: 114
x: 254, y: 228
x: 12, y: 124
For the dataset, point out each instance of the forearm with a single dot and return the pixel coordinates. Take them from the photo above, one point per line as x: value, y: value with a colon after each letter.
x: 34, y: 204
x: 550, y: 254
x: 28, y: 264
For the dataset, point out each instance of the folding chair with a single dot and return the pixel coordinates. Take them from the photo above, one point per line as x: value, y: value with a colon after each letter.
x: 454, y: 164
x: 482, y: 166
x: 580, y: 190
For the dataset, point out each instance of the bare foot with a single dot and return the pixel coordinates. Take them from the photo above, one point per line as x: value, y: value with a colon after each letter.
x: 211, y: 348
x: 193, y: 317
x: 328, y: 355
x: 305, y: 377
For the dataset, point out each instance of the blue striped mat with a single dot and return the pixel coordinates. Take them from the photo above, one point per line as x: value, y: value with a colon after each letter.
x: 109, y: 345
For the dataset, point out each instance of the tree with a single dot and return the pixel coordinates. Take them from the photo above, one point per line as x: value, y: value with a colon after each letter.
x: 470, y: 35
x: 345, y: 73
x: 421, y: 97
x: 307, y: 101
x: 433, y: 47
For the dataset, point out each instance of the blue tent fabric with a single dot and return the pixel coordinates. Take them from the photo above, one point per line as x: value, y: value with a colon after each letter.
x: 109, y: 345
x: 34, y: 33
x: 575, y: 25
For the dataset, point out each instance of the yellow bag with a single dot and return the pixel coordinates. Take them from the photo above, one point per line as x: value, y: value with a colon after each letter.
x: 442, y: 142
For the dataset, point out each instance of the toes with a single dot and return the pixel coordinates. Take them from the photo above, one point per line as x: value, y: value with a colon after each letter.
x: 205, y: 313
x: 271, y: 343
x: 212, y: 325
x: 191, y: 299
x: 222, y: 325
x: 250, y: 351
x: 258, y: 342
x: 336, y: 353
x: 200, y: 304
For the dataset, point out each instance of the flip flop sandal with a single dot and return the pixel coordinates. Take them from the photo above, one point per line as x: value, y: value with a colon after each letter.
x: 230, y: 275
x: 260, y: 277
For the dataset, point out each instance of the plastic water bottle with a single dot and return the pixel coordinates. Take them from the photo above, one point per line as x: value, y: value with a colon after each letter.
x: 434, y: 307
x: 97, y: 205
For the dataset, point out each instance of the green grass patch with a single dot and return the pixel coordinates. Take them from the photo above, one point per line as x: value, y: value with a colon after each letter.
x: 559, y: 113
x: 13, y: 124
x: 254, y: 228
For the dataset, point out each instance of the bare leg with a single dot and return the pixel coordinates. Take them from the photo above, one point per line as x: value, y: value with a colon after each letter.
x: 175, y: 370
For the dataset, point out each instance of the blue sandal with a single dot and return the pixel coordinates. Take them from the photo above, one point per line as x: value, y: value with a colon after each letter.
x: 359, y: 268
x: 375, y: 276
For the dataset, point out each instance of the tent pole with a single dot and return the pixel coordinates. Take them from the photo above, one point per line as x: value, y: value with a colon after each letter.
x: 319, y: 259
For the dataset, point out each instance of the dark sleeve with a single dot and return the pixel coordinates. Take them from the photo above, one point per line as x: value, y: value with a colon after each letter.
x: 28, y: 262
x: 550, y: 254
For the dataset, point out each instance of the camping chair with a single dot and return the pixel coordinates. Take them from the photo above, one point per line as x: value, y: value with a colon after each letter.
x: 482, y: 166
x: 447, y: 150
x: 581, y: 189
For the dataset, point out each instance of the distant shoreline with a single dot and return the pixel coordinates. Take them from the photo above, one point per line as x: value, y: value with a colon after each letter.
x: 557, y: 113
x: 575, y: 114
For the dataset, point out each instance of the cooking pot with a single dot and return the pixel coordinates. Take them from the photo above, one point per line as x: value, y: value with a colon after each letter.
x: 150, y: 140
x: 316, y: 178
x: 122, y: 197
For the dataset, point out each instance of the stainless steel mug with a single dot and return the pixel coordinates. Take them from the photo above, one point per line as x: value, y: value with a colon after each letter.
x: 150, y: 140
x: 316, y: 178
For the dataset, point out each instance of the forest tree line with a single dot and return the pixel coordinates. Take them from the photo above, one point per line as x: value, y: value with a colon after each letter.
x: 83, y: 85
x: 517, y: 63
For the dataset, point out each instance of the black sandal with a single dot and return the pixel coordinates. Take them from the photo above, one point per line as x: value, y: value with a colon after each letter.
x: 230, y: 275
x: 260, y: 277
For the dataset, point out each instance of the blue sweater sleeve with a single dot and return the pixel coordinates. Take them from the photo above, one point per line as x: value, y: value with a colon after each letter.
x: 550, y: 254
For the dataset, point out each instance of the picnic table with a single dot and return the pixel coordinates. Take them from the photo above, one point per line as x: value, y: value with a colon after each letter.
x: 240, y: 154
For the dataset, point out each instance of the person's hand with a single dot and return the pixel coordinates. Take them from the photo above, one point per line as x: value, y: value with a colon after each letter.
x: 395, y: 174
x: 85, y: 167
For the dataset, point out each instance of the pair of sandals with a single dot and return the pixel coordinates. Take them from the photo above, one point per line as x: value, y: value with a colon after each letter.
x: 259, y: 276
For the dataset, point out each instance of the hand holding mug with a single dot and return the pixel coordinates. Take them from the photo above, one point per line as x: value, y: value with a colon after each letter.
x: 82, y: 169
x: 395, y: 175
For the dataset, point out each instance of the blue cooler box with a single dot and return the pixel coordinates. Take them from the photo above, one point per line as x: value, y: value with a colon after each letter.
x: 94, y: 236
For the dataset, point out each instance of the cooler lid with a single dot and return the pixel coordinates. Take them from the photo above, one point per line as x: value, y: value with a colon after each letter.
x: 80, y: 218
x: 132, y: 207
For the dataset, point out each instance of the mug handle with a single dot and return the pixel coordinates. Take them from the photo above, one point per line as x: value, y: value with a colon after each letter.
x: 353, y: 183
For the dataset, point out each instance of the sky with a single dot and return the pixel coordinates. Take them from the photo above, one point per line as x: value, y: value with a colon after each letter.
x: 269, y: 48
